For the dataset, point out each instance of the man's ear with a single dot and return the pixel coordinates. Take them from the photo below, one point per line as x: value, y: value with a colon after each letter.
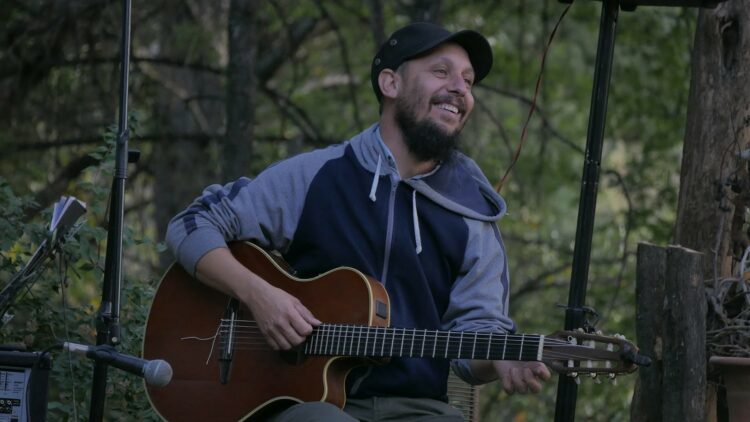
x: 390, y: 83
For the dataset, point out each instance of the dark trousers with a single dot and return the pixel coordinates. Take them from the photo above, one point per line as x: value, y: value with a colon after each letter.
x: 376, y: 409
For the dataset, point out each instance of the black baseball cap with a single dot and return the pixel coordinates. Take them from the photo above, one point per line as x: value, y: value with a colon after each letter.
x: 418, y: 38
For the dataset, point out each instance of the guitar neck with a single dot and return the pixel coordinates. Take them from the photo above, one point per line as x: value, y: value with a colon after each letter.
x: 365, y: 341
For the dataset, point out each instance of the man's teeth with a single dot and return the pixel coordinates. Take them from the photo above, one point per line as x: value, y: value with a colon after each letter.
x: 453, y: 109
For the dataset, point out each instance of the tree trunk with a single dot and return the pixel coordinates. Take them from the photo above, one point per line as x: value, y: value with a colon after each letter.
x: 671, y: 328
x: 713, y: 179
x: 181, y: 168
x: 242, y: 89
x: 714, y: 186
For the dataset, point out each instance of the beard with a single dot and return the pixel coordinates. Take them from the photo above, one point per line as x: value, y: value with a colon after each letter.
x: 425, y: 139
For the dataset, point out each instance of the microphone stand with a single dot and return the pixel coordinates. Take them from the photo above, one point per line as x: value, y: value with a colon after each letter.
x: 567, y: 389
x: 575, y: 313
x: 108, y: 316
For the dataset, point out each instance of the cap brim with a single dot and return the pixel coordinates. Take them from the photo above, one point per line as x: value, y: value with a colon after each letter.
x: 476, y: 46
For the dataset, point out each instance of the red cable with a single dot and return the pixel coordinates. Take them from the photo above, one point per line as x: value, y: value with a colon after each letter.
x: 500, y: 184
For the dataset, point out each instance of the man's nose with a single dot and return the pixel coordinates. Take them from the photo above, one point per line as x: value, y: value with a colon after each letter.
x: 457, y: 85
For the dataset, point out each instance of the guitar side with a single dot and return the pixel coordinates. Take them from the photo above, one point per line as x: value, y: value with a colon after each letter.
x: 186, y: 314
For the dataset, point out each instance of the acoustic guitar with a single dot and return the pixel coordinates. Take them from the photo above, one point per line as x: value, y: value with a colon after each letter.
x: 225, y: 371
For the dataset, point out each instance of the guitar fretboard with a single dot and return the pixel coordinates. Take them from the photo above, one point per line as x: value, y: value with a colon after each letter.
x: 365, y: 341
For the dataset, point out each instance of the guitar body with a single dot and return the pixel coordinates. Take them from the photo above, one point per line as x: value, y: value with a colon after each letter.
x: 182, y: 329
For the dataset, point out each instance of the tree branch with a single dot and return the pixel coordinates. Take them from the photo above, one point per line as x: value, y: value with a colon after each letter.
x: 539, y: 112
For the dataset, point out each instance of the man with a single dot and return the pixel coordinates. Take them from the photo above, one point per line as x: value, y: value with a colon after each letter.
x: 397, y: 202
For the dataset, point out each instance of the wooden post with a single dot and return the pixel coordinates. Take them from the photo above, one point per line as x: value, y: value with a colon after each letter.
x: 651, y: 269
x: 684, y: 328
x: 671, y: 328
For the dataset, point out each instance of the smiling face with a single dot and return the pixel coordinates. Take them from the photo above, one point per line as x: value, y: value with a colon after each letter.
x: 434, y: 101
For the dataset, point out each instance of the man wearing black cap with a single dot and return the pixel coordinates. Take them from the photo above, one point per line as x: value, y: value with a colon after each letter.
x: 397, y: 202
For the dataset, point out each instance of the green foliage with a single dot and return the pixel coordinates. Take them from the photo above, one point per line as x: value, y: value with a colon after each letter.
x: 61, y: 302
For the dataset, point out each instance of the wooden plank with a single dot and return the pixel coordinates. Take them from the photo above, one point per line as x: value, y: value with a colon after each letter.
x: 651, y: 268
x: 684, y: 332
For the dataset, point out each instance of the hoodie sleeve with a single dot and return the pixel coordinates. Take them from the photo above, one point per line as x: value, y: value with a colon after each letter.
x: 479, y: 297
x: 265, y: 210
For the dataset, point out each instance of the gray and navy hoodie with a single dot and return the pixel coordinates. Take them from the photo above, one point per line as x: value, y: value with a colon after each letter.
x: 431, y: 240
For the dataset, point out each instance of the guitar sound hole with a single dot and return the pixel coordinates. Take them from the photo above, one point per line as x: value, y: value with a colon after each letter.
x: 293, y: 357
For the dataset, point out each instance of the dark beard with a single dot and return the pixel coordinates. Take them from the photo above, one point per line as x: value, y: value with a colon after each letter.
x: 425, y: 140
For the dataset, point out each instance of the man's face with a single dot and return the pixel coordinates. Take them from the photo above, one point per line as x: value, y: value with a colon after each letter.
x: 435, y: 101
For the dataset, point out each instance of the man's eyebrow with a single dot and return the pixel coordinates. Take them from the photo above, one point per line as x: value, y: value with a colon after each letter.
x: 445, y: 60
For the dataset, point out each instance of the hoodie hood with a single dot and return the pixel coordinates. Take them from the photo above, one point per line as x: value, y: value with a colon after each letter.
x: 457, y: 184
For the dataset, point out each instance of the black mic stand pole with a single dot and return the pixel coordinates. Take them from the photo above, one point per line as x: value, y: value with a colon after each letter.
x: 567, y: 389
x: 108, y: 316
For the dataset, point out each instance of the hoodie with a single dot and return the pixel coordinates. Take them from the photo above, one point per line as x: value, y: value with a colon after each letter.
x: 432, y: 240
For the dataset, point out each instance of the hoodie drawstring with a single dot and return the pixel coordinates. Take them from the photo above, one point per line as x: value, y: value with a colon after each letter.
x: 415, y: 217
x: 376, y: 179
x: 417, y: 235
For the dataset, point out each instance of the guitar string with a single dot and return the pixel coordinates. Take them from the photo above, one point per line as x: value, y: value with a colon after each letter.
x: 257, y: 342
x: 403, y: 337
x: 551, y: 354
x: 346, y: 330
x: 343, y: 333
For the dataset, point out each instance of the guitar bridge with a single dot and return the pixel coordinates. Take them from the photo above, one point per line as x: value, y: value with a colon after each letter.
x: 226, y: 337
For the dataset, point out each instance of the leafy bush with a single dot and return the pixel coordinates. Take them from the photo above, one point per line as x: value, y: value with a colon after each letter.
x: 62, y: 302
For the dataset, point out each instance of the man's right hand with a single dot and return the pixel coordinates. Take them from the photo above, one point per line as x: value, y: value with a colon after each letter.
x: 281, y: 317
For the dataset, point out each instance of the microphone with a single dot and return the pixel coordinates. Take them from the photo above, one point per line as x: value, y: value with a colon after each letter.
x: 156, y: 372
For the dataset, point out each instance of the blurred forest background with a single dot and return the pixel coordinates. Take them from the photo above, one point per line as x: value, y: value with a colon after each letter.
x: 224, y: 88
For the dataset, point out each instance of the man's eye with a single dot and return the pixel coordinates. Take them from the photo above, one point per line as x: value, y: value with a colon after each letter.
x: 441, y: 72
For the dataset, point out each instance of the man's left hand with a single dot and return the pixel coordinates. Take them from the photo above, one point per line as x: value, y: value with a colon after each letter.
x: 521, y: 377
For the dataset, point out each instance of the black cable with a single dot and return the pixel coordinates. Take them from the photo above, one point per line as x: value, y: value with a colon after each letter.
x: 63, y: 273
x: 34, y: 367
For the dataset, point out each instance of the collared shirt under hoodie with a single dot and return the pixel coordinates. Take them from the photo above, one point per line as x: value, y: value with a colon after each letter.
x: 431, y: 240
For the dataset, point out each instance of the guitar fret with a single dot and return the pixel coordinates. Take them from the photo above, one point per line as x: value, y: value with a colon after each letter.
x: 489, y: 344
x: 434, y: 344
x: 424, y: 340
x: 351, y: 342
x: 447, y: 342
x: 413, y: 334
x: 474, y: 348
x: 329, y: 340
x: 382, y: 345
x: 520, y: 352
x: 367, y: 337
x: 340, y: 339
x: 403, y: 337
x: 318, y: 339
x: 344, y: 337
x: 505, y: 344
x: 321, y: 341
x: 335, y: 340
x: 393, y: 341
x: 460, y: 344
x: 359, y: 337
x: 321, y: 338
